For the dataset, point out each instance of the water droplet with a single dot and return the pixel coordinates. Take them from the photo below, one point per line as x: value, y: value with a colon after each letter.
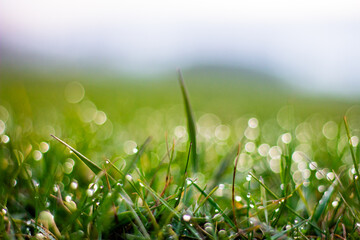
x: 251, y: 205
x: 286, y: 138
x: 335, y: 203
x: 186, y: 218
x: 5, y: 138
x: 188, y: 181
x: 253, y: 123
x: 68, y: 198
x: 248, y: 195
x: 216, y: 210
x: 107, y: 162
x: 237, y: 198
x: 55, y: 188
x: 141, y: 185
x: 129, y: 177
x: 37, y: 155
x: 44, y: 147
x: 221, y: 186
x: 13, y: 182
x: 248, y: 178
x: 90, y: 192
x: 4, y: 211
x: 97, y: 203
x: 74, y: 185
x: 276, y: 210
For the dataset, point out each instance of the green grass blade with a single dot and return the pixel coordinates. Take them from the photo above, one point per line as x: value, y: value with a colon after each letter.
x: 137, y: 157
x: 214, y: 204
x: 280, y: 234
x: 190, y: 121
x: 323, y: 203
x: 95, y: 168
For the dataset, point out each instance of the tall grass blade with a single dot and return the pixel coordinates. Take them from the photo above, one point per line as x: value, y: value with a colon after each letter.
x: 95, y: 168
x: 190, y: 121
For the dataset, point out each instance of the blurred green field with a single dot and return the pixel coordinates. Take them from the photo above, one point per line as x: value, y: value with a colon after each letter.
x: 296, y: 142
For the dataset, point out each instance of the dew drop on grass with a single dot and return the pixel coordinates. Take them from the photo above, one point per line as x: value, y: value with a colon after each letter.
x: 97, y: 203
x: 68, y: 198
x: 248, y: 195
x: 37, y: 155
x: 354, y: 141
x: 286, y: 138
x: 330, y: 176
x: 55, y: 188
x: 141, y: 185
x: 248, y: 178
x: 221, y: 186
x: 237, y: 198
x: 276, y: 210
x: 251, y: 205
x: 90, y: 192
x: 321, y: 188
x: 107, y: 162
x: 129, y: 177
x: 250, y: 147
x: 74, y: 185
x: 13, y: 182
x: 186, y: 218
x: 5, y: 138
x: 263, y: 149
x: 313, y: 165
x: 4, y: 211
x: 188, y: 182
x: 253, y: 123
x: 335, y: 203
x: 44, y: 147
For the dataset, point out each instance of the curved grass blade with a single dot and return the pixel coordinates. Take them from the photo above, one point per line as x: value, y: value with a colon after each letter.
x: 190, y: 121
x: 95, y: 168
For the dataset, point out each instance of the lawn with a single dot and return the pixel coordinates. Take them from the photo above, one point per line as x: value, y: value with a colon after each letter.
x: 220, y: 155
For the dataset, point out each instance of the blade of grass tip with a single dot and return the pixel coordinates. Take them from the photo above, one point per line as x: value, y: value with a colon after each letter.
x: 190, y: 121
x: 233, y: 186
x: 137, y: 157
x: 95, y: 168
x: 181, y: 189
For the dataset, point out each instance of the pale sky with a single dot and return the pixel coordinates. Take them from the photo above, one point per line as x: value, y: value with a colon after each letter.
x: 312, y: 42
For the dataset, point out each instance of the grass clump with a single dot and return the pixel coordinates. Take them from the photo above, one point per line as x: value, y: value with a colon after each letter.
x: 278, y: 177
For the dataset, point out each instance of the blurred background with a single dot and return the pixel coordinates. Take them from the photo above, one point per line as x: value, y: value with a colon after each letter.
x: 107, y: 63
x: 307, y: 44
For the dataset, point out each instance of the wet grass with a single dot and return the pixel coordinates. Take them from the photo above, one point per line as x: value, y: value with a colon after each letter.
x: 130, y: 161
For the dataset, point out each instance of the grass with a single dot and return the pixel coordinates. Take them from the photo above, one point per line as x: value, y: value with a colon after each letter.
x: 131, y: 164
